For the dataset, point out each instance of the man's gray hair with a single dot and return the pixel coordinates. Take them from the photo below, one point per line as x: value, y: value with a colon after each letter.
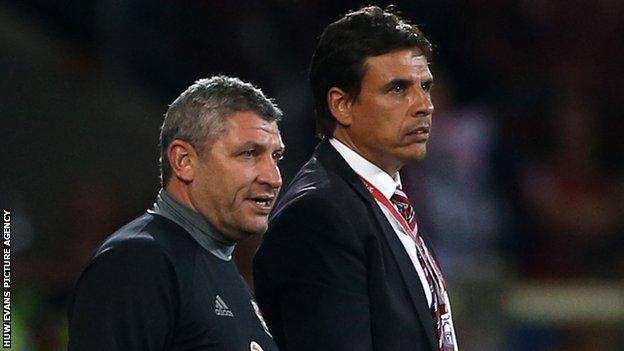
x: 198, y: 115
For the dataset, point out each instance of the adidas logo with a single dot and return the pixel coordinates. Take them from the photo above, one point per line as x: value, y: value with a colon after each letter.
x: 221, y: 309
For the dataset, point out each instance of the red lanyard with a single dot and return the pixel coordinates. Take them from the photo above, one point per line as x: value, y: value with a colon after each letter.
x: 428, y: 264
x: 420, y: 245
x: 390, y: 207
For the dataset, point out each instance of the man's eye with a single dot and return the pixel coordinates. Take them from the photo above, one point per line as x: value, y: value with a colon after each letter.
x: 278, y: 156
x: 426, y: 86
x: 249, y: 153
x: 398, y: 89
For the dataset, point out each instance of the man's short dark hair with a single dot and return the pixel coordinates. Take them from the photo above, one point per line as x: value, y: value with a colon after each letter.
x: 198, y: 115
x: 338, y: 60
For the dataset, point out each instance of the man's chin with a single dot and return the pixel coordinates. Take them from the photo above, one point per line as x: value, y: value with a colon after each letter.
x: 421, y: 155
x: 416, y: 155
x: 246, y: 230
x: 253, y: 229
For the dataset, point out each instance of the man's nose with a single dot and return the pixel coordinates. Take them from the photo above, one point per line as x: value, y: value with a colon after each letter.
x: 269, y: 173
x: 422, y: 105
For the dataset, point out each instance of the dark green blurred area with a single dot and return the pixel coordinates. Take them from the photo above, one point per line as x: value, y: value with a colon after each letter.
x: 522, y: 189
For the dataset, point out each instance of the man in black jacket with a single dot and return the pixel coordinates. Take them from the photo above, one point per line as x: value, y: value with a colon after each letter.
x: 344, y: 265
x: 166, y: 281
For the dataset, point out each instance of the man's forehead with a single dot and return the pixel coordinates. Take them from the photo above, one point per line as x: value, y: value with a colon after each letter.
x: 269, y: 127
x: 251, y: 120
x: 264, y: 132
x: 252, y: 127
x: 397, y: 62
x: 408, y: 53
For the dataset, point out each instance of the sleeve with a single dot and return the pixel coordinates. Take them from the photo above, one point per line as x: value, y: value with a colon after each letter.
x: 310, y: 276
x: 127, y: 299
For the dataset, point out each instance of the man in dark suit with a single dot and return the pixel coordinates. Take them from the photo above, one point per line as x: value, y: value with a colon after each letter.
x: 166, y: 281
x: 343, y: 265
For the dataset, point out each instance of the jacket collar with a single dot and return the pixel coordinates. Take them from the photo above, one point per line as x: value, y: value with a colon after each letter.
x: 385, y: 183
x: 200, y: 229
x: 333, y: 162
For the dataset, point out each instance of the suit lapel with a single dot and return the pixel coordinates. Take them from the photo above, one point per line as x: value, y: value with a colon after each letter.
x: 409, y: 274
x: 332, y: 160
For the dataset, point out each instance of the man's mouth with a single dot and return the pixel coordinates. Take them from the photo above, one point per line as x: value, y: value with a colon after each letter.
x: 264, y: 202
x: 421, y: 130
x: 421, y: 133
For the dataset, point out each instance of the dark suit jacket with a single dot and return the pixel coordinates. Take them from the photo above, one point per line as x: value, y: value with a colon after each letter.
x: 331, y: 273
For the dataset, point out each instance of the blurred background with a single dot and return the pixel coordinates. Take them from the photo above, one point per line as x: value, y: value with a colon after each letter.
x: 522, y: 190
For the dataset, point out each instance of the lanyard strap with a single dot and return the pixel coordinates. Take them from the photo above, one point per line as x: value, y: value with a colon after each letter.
x: 420, y: 245
x: 390, y: 207
x: 440, y: 307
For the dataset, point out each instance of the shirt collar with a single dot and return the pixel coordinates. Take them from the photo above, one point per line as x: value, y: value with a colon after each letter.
x: 195, y: 224
x: 367, y: 170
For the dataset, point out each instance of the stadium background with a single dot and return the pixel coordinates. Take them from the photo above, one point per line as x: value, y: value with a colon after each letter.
x: 522, y: 189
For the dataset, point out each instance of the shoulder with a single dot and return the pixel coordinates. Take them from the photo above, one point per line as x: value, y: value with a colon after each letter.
x: 129, y: 283
x: 319, y: 209
x: 318, y: 189
x: 135, y: 245
x: 146, y: 236
x: 315, y: 207
x: 149, y: 250
x: 317, y: 234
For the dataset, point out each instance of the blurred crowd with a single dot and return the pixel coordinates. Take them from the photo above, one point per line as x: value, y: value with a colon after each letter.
x: 522, y: 188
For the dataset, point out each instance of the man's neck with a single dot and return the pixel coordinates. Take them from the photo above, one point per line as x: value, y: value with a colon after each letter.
x: 345, y: 139
x: 178, y: 192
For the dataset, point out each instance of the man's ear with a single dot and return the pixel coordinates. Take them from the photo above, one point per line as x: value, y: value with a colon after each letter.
x: 183, y: 160
x: 339, y: 105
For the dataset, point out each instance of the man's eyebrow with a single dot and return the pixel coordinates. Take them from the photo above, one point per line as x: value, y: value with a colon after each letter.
x: 429, y: 80
x: 252, y: 144
x: 257, y: 145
